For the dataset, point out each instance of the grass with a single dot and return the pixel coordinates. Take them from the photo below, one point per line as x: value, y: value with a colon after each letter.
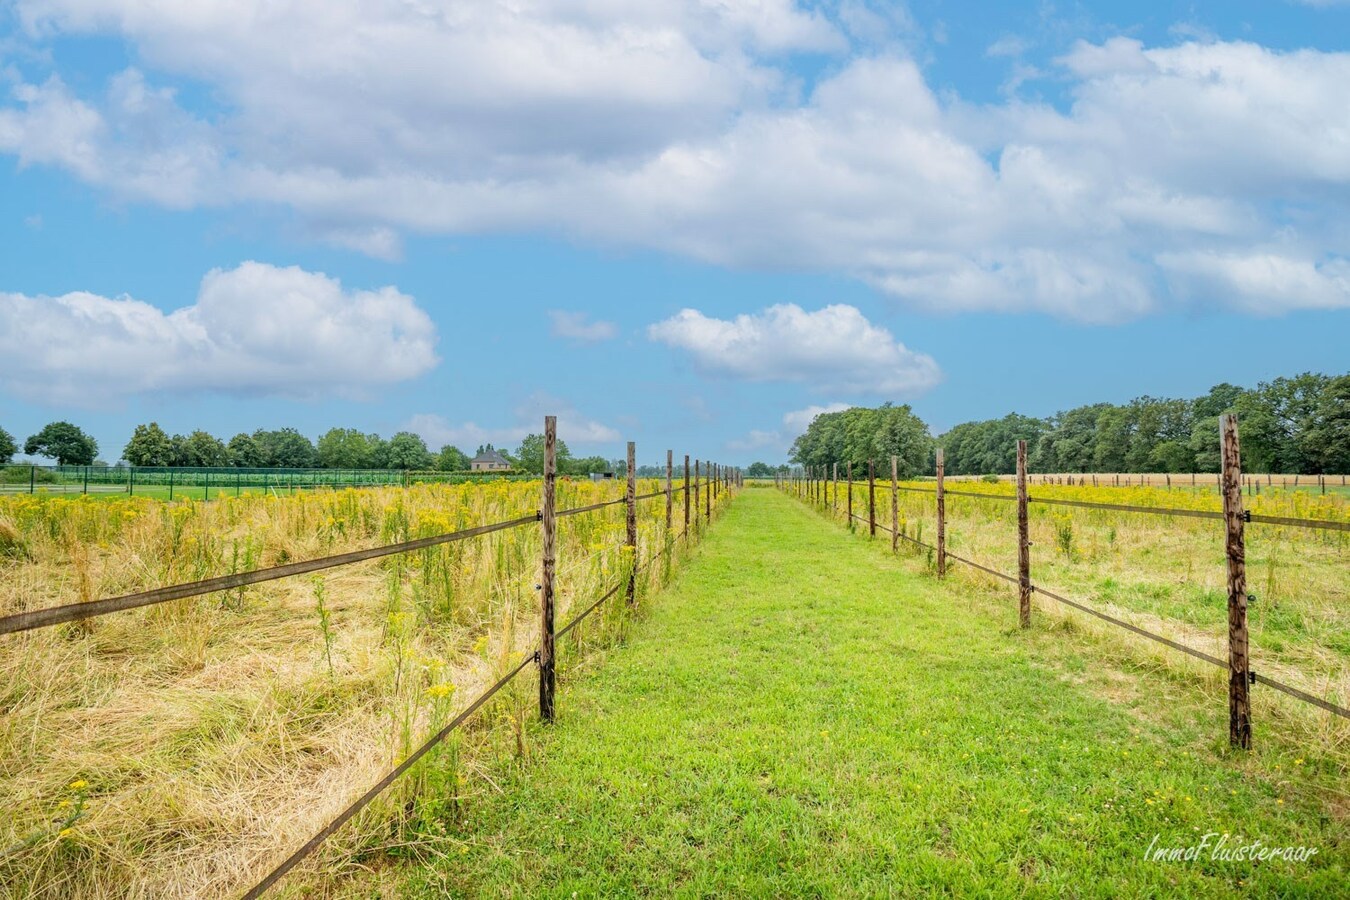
x: 1167, y: 574
x: 803, y: 714
x: 212, y: 735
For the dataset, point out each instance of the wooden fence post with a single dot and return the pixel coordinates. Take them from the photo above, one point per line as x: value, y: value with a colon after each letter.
x: 836, y: 488
x: 686, y: 495
x: 697, y: 489
x: 670, y: 497
x: 871, y: 499
x: 850, y: 495
x: 707, y: 496
x: 1023, y: 541
x: 895, y: 505
x: 941, y: 516
x: 632, y: 522
x: 548, y: 531
x: 1239, y: 685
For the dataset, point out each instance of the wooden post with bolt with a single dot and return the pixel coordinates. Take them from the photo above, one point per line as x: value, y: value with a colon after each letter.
x: 1239, y: 666
x: 871, y: 500
x: 686, y: 495
x: 850, y: 494
x: 941, y: 518
x: 895, y: 505
x: 1023, y: 541
x: 548, y: 525
x: 670, y: 497
x: 632, y: 523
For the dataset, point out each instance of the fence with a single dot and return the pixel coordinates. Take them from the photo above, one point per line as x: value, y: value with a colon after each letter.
x: 702, y: 490
x: 1252, y: 482
x: 813, y: 484
x: 184, y: 481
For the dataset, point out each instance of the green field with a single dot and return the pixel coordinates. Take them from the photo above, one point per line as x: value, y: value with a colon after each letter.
x: 803, y: 714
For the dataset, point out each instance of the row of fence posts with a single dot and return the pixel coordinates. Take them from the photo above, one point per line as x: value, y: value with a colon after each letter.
x: 814, y: 483
x: 709, y: 479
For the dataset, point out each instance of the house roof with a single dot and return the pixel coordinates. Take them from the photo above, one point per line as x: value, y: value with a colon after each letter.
x: 491, y: 456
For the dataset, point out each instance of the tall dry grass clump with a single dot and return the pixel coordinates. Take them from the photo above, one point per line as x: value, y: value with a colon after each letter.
x: 180, y: 750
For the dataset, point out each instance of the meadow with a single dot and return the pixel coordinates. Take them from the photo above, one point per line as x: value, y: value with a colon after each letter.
x: 1166, y: 574
x: 176, y: 750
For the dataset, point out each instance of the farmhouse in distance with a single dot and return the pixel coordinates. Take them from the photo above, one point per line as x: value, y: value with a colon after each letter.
x: 489, y: 460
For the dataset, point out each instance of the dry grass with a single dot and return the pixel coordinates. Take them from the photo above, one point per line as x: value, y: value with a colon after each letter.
x: 181, y: 750
x: 1168, y: 574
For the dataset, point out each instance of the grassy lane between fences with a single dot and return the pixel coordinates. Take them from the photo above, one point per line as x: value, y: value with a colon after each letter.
x: 802, y: 714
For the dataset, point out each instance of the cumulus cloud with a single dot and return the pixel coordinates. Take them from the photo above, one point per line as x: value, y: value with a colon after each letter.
x: 780, y: 440
x: 678, y: 125
x: 527, y: 418
x: 831, y: 349
x: 576, y: 326
x: 799, y: 420
x: 254, y: 329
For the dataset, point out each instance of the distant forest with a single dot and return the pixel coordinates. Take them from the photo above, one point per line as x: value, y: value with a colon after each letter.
x: 1289, y: 425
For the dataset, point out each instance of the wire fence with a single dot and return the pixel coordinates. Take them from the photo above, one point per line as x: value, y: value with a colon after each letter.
x: 702, y: 490
x: 186, y: 481
x: 814, y: 484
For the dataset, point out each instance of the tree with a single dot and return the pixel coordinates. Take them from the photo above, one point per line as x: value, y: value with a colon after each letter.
x: 530, y: 455
x: 199, y: 449
x: 243, y: 452
x: 63, y: 442
x: 858, y: 434
x: 1327, y: 441
x: 149, y: 446
x: 452, y: 459
x: 406, y: 450
x: 285, y: 448
x: 585, y: 465
x: 348, y: 448
x: 759, y: 470
x: 7, y: 446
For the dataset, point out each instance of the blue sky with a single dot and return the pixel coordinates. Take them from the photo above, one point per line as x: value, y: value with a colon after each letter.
x: 686, y: 224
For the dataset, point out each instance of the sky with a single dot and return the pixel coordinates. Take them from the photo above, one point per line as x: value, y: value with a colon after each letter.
x: 689, y: 223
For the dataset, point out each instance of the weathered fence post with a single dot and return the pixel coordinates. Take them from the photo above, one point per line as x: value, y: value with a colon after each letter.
x: 1239, y: 685
x: 941, y: 516
x: 850, y: 495
x: 697, y: 489
x: 686, y: 496
x: 836, y: 488
x: 707, y: 496
x: 670, y: 497
x: 1023, y: 541
x: 548, y: 524
x: 895, y: 505
x: 632, y: 522
x: 871, y: 499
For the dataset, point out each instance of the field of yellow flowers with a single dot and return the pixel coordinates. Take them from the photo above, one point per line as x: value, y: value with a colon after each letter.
x: 178, y: 750
x: 1163, y: 573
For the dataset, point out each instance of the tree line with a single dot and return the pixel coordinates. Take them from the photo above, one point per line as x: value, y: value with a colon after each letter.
x: 1298, y: 425
x: 287, y: 448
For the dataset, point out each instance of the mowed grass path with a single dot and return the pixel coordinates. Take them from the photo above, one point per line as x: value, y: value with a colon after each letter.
x: 800, y: 714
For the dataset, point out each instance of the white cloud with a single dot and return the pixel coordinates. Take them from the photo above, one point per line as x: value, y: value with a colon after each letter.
x: 678, y: 125
x: 1257, y: 281
x: 527, y: 418
x: 799, y: 420
x: 780, y: 441
x: 255, y: 329
x: 575, y: 326
x: 832, y: 349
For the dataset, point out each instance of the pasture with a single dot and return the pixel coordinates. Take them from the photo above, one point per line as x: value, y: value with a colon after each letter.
x: 788, y: 709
